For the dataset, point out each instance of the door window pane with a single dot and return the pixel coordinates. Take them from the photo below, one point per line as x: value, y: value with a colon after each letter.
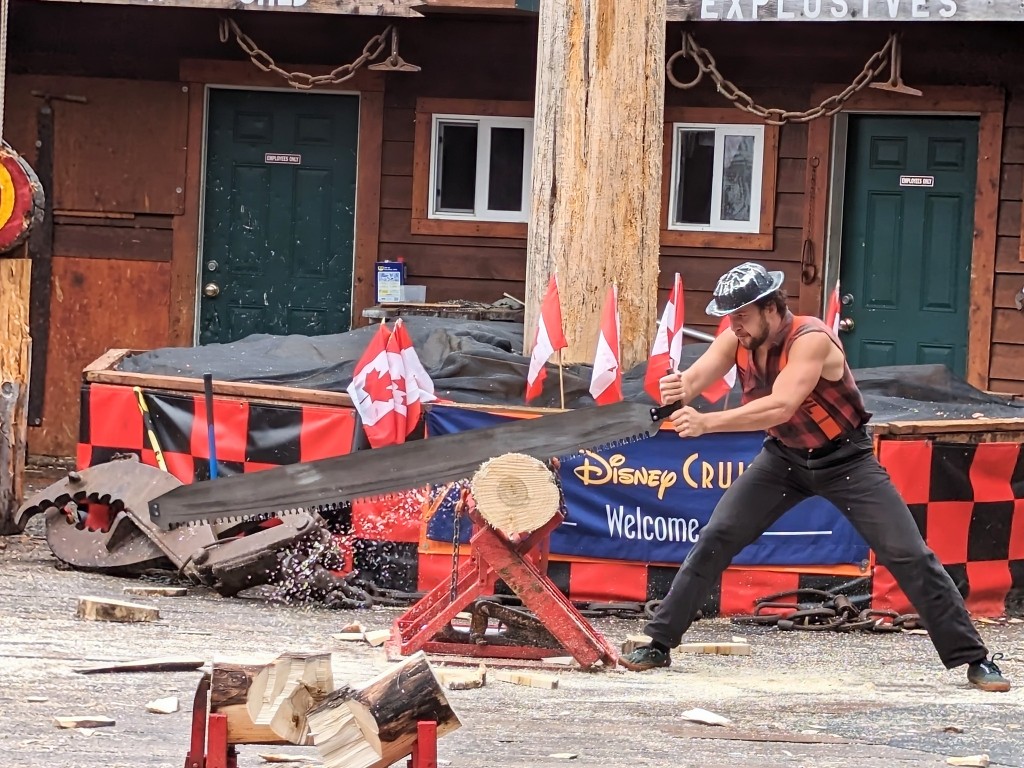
x: 737, y: 177
x: 695, y: 177
x: 456, y: 182
x: 505, y: 180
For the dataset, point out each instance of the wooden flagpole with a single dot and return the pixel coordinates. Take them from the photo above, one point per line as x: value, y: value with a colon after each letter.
x: 561, y: 381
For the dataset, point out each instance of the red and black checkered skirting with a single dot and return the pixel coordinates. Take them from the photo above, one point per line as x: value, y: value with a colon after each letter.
x: 968, y: 501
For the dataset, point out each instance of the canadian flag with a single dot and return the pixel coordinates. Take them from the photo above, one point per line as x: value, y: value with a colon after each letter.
x: 399, y: 388
x: 372, y: 391
x: 832, y: 314
x: 723, y: 386
x: 549, y: 339
x: 606, y: 381
x: 419, y: 388
x: 668, y: 343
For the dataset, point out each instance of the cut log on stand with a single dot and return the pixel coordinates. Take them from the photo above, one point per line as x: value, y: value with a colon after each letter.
x: 375, y: 724
x: 515, y: 493
x: 229, y: 691
x: 283, y: 692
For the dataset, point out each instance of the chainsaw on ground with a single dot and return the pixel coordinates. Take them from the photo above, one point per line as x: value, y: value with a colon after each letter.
x: 304, y: 488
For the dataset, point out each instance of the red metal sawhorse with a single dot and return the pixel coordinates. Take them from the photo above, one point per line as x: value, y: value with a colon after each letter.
x: 497, y: 557
x: 209, y: 748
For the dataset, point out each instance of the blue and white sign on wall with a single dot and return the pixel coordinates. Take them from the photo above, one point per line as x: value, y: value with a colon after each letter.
x: 647, y: 501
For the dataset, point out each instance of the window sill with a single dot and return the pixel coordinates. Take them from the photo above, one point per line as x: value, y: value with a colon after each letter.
x: 742, y: 241
x: 455, y: 228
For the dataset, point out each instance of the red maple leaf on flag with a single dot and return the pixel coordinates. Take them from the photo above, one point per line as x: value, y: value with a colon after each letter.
x: 378, y: 385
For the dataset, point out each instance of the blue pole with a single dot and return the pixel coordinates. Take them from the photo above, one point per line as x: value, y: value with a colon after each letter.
x: 212, y: 443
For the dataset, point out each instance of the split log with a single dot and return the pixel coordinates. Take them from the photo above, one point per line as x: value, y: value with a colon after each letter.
x: 284, y: 691
x: 375, y: 724
x: 103, y: 609
x: 229, y: 691
x: 515, y: 493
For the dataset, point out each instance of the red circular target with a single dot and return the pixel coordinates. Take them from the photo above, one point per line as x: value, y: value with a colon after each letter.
x: 21, y: 198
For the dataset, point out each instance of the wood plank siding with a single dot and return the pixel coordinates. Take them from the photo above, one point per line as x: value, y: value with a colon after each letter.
x: 127, y: 163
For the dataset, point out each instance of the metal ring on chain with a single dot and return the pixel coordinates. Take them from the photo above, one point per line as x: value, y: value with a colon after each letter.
x: 672, y: 78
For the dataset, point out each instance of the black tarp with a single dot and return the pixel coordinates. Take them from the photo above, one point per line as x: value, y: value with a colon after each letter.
x: 482, y: 362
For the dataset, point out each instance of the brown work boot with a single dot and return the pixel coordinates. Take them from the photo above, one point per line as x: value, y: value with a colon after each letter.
x: 986, y: 675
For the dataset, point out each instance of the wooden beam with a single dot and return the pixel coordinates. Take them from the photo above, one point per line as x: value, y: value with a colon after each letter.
x: 367, y: 219
x: 816, y: 185
x: 983, y: 256
x: 344, y: 7
x: 597, y: 169
x: 185, y: 232
x: 253, y: 392
x: 942, y: 427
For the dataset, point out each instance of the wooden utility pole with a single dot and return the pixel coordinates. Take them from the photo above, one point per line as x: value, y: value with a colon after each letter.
x: 15, y: 353
x: 597, y: 146
x: 21, y: 207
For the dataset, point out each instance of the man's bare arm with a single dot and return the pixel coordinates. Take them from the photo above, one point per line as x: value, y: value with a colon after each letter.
x: 709, y: 367
x: 795, y: 382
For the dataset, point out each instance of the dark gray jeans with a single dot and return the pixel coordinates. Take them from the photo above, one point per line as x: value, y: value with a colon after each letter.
x: 852, y: 479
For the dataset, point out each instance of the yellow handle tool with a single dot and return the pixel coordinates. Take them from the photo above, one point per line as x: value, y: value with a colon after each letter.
x: 148, y: 423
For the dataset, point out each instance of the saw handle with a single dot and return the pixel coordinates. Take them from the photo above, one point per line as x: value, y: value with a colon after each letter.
x: 662, y: 412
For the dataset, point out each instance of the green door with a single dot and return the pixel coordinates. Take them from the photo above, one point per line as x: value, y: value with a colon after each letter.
x: 908, y: 224
x: 279, y: 214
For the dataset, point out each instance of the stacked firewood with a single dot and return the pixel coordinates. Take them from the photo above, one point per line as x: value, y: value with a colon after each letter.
x: 295, y: 700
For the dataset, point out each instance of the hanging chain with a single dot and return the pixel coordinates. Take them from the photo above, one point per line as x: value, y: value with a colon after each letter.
x: 459, y: 508
x: 706, y: 66
x: 302, y: 80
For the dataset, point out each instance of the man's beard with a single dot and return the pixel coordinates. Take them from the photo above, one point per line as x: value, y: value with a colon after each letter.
x: 756, y: 341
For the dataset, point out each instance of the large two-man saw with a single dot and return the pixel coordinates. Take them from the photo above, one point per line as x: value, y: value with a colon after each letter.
x: 383, y: 471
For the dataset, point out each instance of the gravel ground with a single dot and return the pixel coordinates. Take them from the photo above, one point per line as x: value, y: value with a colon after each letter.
x: 869, y: 700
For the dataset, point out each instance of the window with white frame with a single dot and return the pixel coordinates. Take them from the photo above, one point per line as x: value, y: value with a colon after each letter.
x: 716, y: 177
x: 480, y: 168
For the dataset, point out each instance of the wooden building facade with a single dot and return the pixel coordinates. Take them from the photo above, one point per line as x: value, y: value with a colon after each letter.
x: 197, y: 198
